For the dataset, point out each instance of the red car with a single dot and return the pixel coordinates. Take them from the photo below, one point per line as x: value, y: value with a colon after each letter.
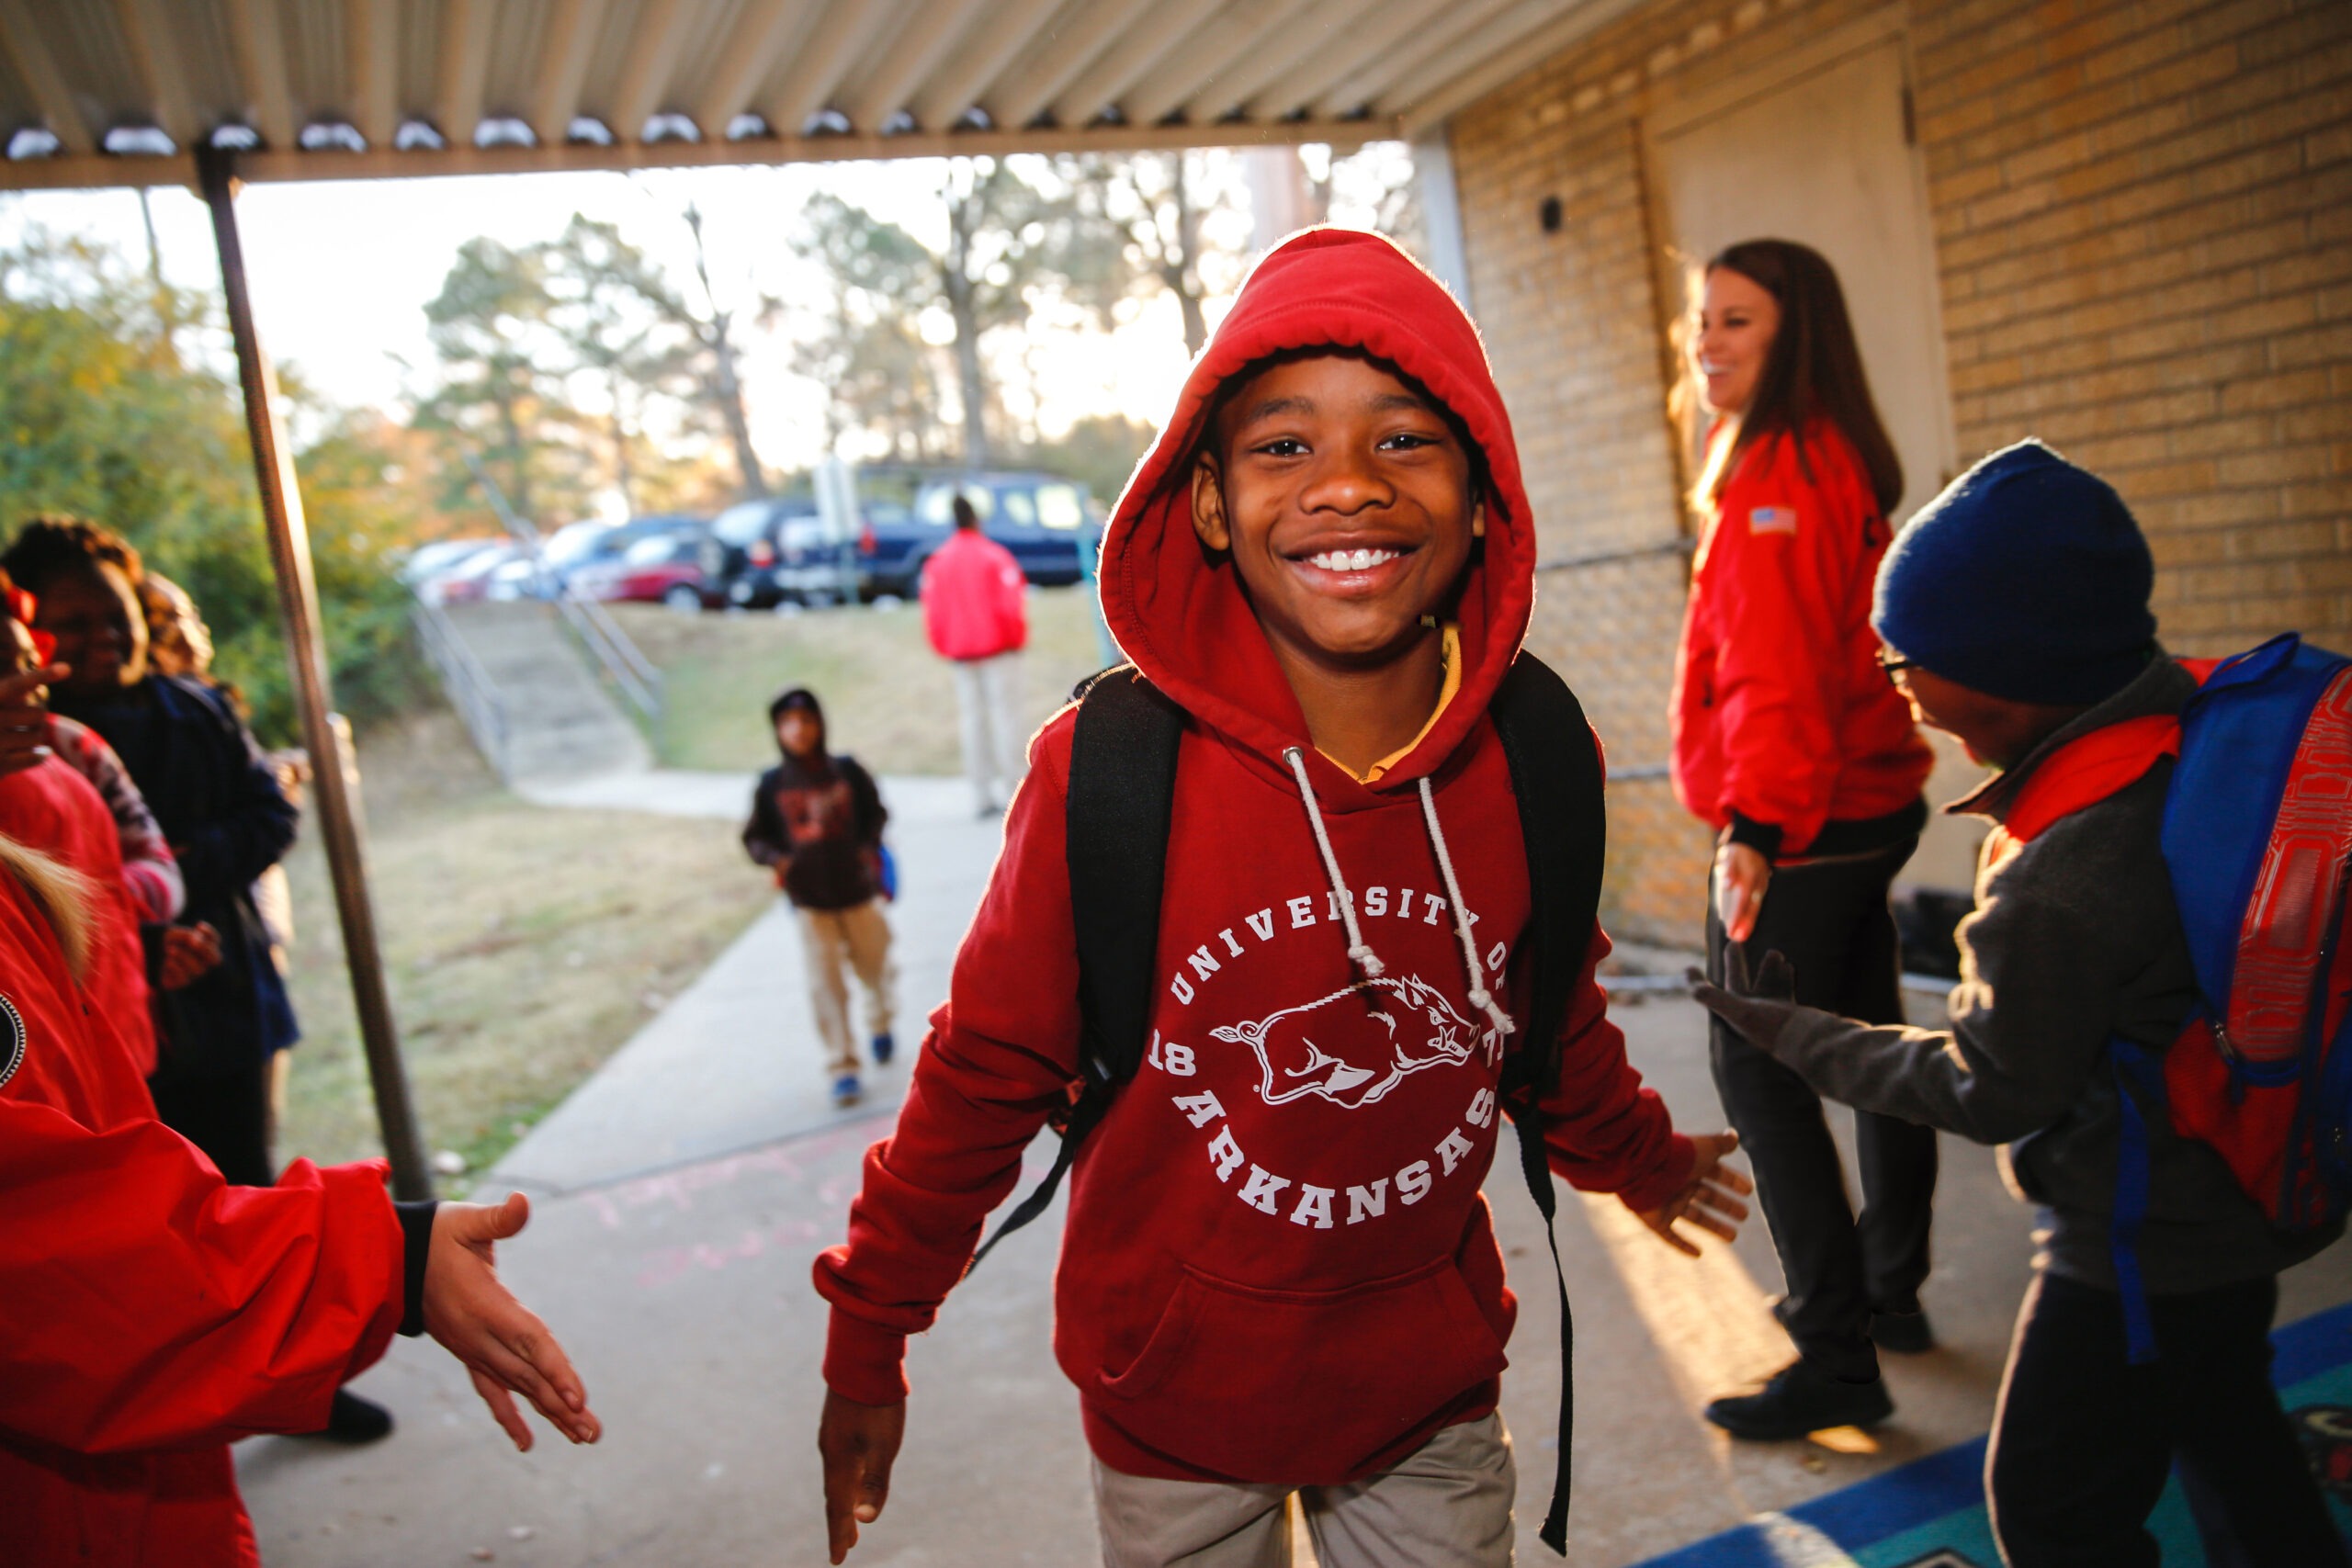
x: 663, y: 569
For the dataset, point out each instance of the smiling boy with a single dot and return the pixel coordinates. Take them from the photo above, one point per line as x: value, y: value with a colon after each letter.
x: 1279, y: 1274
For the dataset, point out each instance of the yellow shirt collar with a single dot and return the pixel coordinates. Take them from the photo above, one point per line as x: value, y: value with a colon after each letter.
x: 1449, y: 650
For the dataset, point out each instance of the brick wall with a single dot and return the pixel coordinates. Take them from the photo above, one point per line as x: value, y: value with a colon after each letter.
x: 2144, y: 218
x: 2143, y: 221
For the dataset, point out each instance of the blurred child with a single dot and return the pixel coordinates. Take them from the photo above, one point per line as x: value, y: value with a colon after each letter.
x: 228, y: 821
x: 817, y: 823
x: 180, y: 644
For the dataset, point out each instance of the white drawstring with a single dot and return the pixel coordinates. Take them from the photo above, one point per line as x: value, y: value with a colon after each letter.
x: 1358, y: 948
x: 1480, y: 997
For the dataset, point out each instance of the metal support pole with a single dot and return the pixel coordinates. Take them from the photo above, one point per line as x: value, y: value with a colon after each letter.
x: 298, y: 598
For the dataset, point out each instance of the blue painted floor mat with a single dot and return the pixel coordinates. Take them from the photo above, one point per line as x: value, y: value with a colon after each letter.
x: 1930, y: 1513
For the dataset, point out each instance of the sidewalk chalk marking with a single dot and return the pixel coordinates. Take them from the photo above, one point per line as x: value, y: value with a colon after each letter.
x: 670, y: 1264
x: 677, y: 1185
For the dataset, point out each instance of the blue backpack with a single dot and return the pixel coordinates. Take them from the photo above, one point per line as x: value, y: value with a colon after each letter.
x: 2257, y: 839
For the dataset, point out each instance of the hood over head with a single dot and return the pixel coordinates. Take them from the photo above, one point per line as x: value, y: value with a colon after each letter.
x: 804, y: 700
x: 1178, y: 612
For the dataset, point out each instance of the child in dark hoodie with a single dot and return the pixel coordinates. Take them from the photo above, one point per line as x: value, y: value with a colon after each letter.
x: 2015, y: 612
x: 1278, y: 1272
x: 817, y: 823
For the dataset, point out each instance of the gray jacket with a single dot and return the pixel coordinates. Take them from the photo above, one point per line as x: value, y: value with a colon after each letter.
x: 2075, y: 939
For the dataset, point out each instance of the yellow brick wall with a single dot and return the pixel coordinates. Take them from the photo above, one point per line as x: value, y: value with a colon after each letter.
x: 2143, y: 224
x: 2143, y: 217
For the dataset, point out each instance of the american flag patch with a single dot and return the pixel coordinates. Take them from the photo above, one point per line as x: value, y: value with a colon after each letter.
x: 1772, y: 520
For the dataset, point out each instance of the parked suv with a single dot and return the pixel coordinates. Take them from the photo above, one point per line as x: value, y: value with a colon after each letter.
x: 1045, y: 520
x: 761, y: 552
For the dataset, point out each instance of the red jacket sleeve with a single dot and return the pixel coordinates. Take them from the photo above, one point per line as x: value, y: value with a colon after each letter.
x: 998, y: 1061
x: 146, y: 1303
x: 1785, y: 547
x: 1603, y: 1131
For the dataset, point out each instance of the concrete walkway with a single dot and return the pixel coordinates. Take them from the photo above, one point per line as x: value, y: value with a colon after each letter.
x: 734, y: 1062
x: 682, y: 1192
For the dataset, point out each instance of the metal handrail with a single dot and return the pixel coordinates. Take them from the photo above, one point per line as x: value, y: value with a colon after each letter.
x: 590, y: 620
x: 480, y: 704
x: 614, y: 649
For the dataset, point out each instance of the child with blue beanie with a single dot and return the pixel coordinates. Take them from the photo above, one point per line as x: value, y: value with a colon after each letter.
x: 2015, y: 612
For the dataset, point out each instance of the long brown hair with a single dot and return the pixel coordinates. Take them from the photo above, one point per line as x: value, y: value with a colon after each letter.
x: 1814, y: 369
x: 62, y: 894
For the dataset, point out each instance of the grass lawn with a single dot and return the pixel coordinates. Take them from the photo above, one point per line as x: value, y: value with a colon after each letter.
x: 888, y: 700
x: 523, y: 945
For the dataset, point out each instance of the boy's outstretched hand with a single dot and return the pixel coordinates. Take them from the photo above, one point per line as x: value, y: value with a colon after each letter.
x: 858, y: 1444
x: 1711, y: 1198
x: 501, y: 1342
x: 1757, y: 1005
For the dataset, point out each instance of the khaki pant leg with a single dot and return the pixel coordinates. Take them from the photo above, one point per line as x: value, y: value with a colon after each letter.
x: 867, y: 930
x: 1003, y: 677
x: 1148, y: 1523
x: 1447, y: 1507
x: 827, y: 946
x: 972, y: 714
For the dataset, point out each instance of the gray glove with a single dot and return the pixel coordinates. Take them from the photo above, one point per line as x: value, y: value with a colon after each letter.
x: 1758, y: 1006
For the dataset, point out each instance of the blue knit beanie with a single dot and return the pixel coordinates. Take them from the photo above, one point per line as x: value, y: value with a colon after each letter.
x: 2027, y: 579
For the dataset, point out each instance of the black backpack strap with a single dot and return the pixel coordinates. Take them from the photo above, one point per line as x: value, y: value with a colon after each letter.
x: 1122, y: 788
x: 1555, y: 776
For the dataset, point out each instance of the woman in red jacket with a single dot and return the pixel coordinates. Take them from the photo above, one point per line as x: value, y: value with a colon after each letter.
x: 149, y: 1312
x: 1791, y: 742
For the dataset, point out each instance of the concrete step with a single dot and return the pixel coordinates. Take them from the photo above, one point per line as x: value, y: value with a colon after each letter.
x: 561, y: 721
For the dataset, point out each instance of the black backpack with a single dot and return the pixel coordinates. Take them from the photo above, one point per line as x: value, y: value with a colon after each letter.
x: 1122, y: 789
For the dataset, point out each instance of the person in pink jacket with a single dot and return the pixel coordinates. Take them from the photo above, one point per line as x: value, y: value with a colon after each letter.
x: 973, y: 610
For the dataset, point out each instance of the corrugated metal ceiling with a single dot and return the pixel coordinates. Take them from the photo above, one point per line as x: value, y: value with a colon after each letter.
x: 116, y: 91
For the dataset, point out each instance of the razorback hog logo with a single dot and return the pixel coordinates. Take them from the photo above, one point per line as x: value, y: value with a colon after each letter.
x: 1353, y: 1046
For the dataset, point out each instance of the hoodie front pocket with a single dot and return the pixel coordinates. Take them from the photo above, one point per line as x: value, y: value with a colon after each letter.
x: 1301, y: 1387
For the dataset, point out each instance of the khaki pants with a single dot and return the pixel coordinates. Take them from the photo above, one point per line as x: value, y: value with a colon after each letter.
x: 988, y: 695
x: 1447, y: 1507
x: 858, y: 937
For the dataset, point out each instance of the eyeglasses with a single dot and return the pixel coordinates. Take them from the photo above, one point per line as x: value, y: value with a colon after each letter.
x: 1893, y: 664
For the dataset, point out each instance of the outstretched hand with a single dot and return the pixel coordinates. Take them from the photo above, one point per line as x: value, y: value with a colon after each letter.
x: 1710, y: 1199
x: 502, y: 1343
x: 858, y: 1443
x: 1757, y: 1005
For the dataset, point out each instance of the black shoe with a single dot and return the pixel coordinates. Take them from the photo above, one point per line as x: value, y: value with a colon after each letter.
x: 1904, y: 1333
x: 1800, y: 1398
x: 355, y: 1420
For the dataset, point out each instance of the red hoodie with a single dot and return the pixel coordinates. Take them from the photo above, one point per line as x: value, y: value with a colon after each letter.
x: 1278, y: 1266
x: 1780, y: 712
x: 149, y: 1312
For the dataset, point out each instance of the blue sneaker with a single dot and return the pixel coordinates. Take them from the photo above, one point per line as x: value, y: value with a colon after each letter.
x: 846, y: 1092
x: 883, y: 1047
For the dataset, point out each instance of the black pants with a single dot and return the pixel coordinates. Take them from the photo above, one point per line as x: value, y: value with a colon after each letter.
x: 225, y: 1114
x: 2082, y: 1440
x: 1830, y: 920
